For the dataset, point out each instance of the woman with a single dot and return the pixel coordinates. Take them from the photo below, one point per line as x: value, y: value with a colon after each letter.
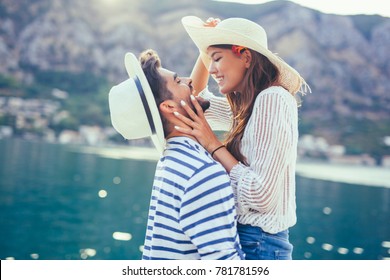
x: 260, y: 112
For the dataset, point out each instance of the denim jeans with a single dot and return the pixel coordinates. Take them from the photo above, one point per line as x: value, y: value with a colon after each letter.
x: 260, y: 245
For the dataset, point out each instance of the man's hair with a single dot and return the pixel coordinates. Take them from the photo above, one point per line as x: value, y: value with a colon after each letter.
x: 150, y: 63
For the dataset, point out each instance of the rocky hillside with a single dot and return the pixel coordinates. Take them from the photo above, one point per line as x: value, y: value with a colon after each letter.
x: 345, y: 59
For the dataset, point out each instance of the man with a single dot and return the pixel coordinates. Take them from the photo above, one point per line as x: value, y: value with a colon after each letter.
x: 192, y: 213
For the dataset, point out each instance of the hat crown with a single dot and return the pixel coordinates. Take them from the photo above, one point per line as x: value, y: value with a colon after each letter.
x: 133, y: 109
x: 128, y: 115
x: 245, y: 28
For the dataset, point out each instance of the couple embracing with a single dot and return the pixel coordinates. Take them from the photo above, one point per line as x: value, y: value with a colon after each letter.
x: 216, y: 200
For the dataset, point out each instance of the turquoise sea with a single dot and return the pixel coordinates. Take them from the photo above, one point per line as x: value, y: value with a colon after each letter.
x: 61, y: 202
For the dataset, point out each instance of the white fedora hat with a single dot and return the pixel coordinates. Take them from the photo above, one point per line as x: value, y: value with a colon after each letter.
x: 133, y: 109
x: 241, y: 32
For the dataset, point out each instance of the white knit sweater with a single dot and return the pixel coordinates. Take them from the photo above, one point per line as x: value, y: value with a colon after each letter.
x: 264, y: 190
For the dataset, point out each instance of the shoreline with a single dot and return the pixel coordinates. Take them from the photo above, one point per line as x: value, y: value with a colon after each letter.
x: 374, y: 176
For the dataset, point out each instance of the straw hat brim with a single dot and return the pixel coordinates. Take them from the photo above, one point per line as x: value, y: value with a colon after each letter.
x: 204, y: 36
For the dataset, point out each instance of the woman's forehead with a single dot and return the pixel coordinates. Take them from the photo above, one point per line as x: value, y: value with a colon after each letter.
x: 167, y: 74
x: 214, y: 50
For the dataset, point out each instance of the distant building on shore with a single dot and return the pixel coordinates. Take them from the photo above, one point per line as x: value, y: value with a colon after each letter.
x: 310, y: 146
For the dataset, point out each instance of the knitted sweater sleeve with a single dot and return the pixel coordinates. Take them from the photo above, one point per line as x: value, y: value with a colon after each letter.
x: 219, y: 115
x: 269, y: 145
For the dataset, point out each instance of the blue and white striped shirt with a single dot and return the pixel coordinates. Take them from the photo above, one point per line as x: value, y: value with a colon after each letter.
x: 192, y: 213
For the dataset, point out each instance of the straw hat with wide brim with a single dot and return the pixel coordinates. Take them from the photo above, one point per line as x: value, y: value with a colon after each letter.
x: 133, y: 110
x: 241, y: 32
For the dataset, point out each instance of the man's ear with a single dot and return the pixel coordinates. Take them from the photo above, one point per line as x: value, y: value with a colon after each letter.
x: 168, y: 106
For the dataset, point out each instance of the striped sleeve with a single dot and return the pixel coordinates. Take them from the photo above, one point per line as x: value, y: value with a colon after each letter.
x: 208, y: 216
x: 219, y: 115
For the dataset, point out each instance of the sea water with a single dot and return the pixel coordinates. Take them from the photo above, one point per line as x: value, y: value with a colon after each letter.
x: 60, y: 202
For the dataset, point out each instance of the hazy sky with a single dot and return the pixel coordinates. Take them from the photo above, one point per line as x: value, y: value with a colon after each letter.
x: 340, y: 7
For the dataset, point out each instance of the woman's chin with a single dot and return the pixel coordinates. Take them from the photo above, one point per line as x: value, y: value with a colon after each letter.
x: 223, y: 90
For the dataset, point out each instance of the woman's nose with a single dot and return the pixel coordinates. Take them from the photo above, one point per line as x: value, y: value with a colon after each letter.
x: 212, y: 69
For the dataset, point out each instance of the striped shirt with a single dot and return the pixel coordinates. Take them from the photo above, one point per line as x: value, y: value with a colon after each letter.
x: 265, y: 189
x: 192, y: 213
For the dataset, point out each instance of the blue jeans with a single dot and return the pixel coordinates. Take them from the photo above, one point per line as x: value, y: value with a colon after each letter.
x: 260, y: 245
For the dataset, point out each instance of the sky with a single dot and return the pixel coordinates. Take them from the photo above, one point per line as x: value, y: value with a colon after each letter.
x: 339, y: 7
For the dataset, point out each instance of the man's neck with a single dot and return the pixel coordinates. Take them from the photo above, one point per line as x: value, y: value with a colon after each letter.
x: 175, y: 133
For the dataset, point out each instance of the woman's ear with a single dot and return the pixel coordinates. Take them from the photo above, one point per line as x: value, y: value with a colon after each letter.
x: 247, y: 56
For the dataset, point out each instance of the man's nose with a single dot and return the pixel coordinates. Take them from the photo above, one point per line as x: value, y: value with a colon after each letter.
x: 189, y: 81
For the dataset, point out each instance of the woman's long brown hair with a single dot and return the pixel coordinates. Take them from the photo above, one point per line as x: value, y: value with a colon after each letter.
x: 260, y: 75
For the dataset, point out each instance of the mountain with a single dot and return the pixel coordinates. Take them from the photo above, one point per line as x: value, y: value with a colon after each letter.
x: 73, y: 45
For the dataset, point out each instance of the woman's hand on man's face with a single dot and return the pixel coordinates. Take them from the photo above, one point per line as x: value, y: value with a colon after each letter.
x: 198, y: 126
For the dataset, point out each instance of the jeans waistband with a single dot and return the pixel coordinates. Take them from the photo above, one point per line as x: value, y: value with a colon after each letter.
x: 259, y: 230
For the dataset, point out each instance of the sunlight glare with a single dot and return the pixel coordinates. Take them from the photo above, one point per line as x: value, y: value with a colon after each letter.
x: 88, y: 252
x: 358, y: 250
x: 327, y: 247
x: 116, y: 180
x: 122, y: 236
x: 327, y: 210
x: 34, y: 256
x: 386, y: 244
x: 102, y: 193
x: 109, y: 2
x: 342, y: 251
x: 345, y: 7
x: 310, y: 240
